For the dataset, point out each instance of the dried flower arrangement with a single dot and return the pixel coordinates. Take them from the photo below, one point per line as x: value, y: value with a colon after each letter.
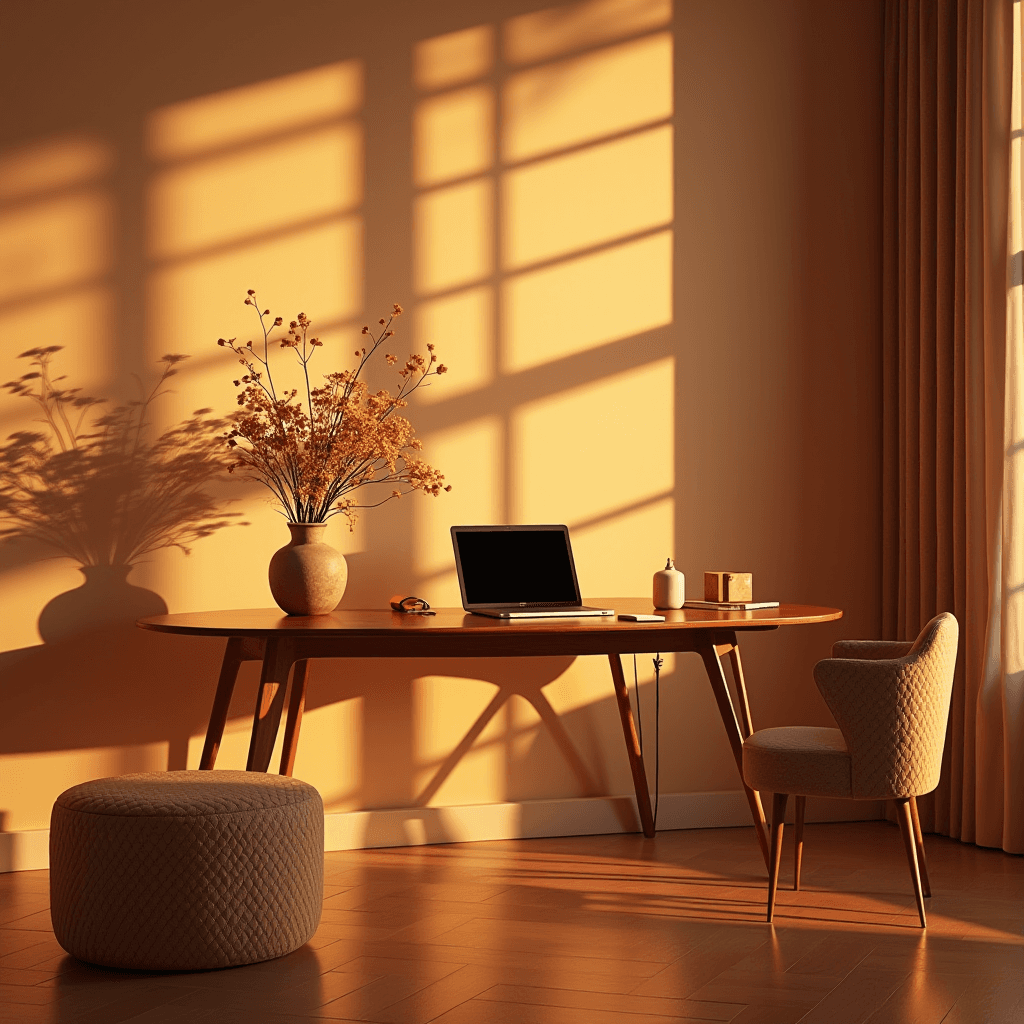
x: 312, y: 450
x: 93, y: 486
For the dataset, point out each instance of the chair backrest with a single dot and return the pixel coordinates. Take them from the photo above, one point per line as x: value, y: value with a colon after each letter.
x: 893, y: 712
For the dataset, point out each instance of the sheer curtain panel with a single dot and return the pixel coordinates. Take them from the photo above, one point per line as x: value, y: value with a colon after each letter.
x: 952, y: 337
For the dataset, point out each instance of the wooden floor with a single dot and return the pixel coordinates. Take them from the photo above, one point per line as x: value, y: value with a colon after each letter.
x: 600, y: 930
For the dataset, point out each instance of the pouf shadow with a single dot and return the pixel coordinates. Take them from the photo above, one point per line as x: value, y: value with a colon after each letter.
x: 180, y: 871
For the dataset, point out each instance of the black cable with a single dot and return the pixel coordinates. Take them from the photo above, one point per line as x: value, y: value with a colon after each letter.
x: 658, y: 662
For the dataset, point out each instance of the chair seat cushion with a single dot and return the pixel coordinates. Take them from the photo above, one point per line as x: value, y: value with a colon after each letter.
x: 798, y: 759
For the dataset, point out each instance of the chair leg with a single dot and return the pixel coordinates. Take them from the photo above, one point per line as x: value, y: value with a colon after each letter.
x: 903, y: 813
x: 798, y: 853
x: 778, y: 822
x: 922, y: 861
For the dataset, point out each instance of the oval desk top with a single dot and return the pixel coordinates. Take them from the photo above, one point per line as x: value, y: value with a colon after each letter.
x: 265, y: 622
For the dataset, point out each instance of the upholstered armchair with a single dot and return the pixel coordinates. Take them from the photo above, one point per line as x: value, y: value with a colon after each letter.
x: 891, y: 702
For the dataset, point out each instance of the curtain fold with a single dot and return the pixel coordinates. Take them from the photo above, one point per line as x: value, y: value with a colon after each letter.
x: 950, y: 537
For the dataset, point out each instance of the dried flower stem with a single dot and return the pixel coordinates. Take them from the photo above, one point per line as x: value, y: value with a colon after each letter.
x: 312, y: 455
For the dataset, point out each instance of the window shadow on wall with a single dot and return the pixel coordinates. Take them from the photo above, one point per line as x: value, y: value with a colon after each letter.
x: 531, y: 222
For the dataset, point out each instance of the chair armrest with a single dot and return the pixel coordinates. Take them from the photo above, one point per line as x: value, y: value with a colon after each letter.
x: 873, y: 704
x: 854, y: 688
x: 871, y: 650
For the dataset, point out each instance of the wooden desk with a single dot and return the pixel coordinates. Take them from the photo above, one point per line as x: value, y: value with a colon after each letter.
x: 281, y: 641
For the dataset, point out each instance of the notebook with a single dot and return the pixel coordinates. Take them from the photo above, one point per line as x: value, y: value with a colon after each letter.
x: 518, y: 572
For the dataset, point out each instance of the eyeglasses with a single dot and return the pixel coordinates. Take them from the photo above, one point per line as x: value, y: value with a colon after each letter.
x: 411, y: 606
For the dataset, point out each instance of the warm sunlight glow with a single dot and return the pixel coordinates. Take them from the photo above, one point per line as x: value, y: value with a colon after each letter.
x: 578, y: 100
x: 453, y: 135
x: 30, y: 782
x: 616, y: 555
x: 462, y: 328
x: 191, y: 304
x: 50, y: 165
x: 472, y: 455
x: 570, y: 27
x: 621, y: 453
x: 79, y: 320
x: 256, y: 112
x: 264, y: 189
x: 454, y: 58
x: 445, y: 709
x: 53, y: 244
x: 194, y: 303
x: 331, y: 754
x: 612, y: 294
x: 511, y: 185
x: 452, y: 236
x: 598, y: 195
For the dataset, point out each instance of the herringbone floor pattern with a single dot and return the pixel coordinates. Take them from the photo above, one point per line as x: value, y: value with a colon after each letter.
x: 598, y: 930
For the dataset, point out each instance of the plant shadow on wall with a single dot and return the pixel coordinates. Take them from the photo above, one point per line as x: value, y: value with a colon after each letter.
x: 94, y: 486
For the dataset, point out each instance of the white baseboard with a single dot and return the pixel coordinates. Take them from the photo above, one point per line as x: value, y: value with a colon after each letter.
x: 25, y: 851
x: 530, y: 819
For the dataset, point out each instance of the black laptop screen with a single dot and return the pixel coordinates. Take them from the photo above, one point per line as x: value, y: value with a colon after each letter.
x: 516, y: 567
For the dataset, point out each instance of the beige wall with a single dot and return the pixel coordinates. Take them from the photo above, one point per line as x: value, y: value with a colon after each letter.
x: 646, y: 242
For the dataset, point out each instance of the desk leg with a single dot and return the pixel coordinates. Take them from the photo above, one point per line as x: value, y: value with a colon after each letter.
x: 296, y: 705
x: 238, y: 649
x: 277, y: 663
x: 746, y: 727
x: 636, y: 761
x: 710, y: 652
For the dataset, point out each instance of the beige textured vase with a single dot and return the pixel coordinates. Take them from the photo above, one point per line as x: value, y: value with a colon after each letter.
x: 307, y: 576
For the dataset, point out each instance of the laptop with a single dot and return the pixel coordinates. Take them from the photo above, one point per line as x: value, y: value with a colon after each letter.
x: 518, y: 572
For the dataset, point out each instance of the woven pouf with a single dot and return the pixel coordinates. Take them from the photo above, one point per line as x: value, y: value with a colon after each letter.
x: 183, y: 871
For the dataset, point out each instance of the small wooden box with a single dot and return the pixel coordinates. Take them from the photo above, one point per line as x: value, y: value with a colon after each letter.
x: 728, y: 586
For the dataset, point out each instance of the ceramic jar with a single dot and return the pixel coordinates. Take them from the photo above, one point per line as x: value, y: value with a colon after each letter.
x: 307, y: 576
x: 669, y: 587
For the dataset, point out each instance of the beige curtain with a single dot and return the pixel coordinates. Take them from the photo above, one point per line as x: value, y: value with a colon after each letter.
x: 952, y: 478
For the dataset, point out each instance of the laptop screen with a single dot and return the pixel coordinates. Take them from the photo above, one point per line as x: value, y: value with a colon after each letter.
x: 515, y: 566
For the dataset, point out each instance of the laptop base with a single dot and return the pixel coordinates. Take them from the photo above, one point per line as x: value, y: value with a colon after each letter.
x: 543, y: 613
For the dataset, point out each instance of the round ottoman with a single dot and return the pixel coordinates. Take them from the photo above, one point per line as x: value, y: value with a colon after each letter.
x: 183, y: 871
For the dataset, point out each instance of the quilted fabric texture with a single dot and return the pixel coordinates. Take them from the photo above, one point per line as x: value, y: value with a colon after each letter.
x: 186, y: 870
x: 805, y: 760
x: 867, y: 650
x: 892, y: 712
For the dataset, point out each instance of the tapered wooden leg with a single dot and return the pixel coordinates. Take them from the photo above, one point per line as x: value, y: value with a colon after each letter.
x: 636, y: 761
x: 296, y: 705
x: 238, y: 649
x: 903, y: 814
x: 277, y: 662
x: 798, y: 832
x: 922, y: 862
x: 778, y: 823
x: 743, y: 708
x: 713, y: 666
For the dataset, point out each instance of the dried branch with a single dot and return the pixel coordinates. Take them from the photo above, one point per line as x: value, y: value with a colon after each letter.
x: 312, y: 453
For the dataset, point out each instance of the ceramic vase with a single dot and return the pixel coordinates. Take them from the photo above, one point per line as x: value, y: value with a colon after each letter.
x: 307, y: 576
